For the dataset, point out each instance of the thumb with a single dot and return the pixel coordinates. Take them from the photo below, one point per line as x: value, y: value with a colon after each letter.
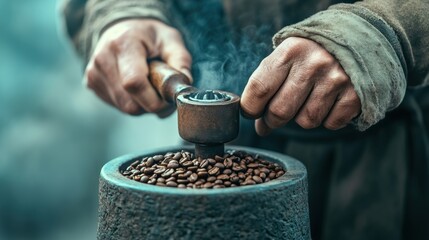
x: 175, y: 54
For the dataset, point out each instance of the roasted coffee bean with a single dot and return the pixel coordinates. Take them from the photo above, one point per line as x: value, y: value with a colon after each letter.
x: 171, y: 184
x: 227, y: 162
x: 202, y: 174
x: 158, y: 158
x: 182, y: 180
x: 177, y: 156
x: 223, y: 177
x: 219, y: 165
x: 160, y: 170
x: 193, y: 168
x: 187, y: 163
x: 211, y: 161
x: 218, y: 182
x: 160, y: 180
x: 167, y: 173
x: 257, y: 179
x: 193, y: 177
x: 214, y: 171
x: 171, y: 179
x: 253, y: 165
x: 211, y: 179
x: 182, y: 170
x: 204, y: 163
x: 279, y: 174
x: 144, y: 179
x: 173, y: 164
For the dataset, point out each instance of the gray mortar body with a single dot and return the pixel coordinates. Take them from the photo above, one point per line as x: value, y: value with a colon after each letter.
x: 274, y: 210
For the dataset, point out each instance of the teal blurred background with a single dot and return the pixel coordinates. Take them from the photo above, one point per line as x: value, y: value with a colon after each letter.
x: 55, y: 134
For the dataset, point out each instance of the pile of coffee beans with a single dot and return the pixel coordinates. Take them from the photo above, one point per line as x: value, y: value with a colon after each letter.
x: 183, y: 170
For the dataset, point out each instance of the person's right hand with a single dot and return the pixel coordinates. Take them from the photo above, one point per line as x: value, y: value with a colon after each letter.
x: 118, y: 71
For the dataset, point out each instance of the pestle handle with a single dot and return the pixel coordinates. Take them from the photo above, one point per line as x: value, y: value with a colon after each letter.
x: 167, y: 81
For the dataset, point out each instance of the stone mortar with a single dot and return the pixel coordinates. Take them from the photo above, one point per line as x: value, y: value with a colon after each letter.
x: 274, y: 210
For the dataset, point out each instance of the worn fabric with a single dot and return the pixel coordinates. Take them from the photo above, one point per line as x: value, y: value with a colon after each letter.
x: 372, y: 184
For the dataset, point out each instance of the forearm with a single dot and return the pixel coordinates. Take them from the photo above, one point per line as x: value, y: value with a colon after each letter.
x: 372, y: 52
x: 86, y: 21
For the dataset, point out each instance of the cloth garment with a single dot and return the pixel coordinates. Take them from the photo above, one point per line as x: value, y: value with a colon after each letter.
x: 368, y: 184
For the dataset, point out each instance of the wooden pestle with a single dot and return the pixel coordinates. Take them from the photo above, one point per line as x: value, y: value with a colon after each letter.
x: 168, y: 81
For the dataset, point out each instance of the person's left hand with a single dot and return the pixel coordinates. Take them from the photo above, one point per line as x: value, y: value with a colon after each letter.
x: 300, y: 80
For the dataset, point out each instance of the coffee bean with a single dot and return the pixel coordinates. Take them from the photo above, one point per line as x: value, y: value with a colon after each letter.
x: 202, y: 174
x: 182, y: 180
x: 182, y: 170
x: 167, y: 173
x: 159, y: 170
x: 227, y: 162
x: 279, y: 174
x: 161, y: 180
x: 214, y: 171
x: 144, y: 179
x: 253, y: 165
x: 211, y: 161
x: 223, y: 177
x: 158, y: 158
x: 171, y: 179
x: 204, y: 163
x: 193, y: 177
x: 257, y: 179
x: 219, y: 165
x: 187, y: 163
x: 171, y: 184
x: 218, y: 182
x: 177, y: 156
x: 211, y: 179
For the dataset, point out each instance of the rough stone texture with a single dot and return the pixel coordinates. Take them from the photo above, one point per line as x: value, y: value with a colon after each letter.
x: 273, y: 210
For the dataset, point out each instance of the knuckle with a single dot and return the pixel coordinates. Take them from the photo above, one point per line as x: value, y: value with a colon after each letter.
x: 101, y: 60
x: 154, y: 106
x: 131, y: 108
x: 336, y: 123
x: 91, y: 78
x: 307, y: 122
x: 339, y: 77
x: 133, y: 83
x: 321, y: 58
x: 249, y: 109
x: 277, y: 116
x: 258, y: 87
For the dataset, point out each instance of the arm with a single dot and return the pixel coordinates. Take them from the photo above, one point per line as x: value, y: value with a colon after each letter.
x: 381, y: 48
x: 115, y: 39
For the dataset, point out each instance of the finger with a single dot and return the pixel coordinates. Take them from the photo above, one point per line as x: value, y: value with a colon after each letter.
x: 317, y: 105
x: 105, y: 62
x: 264, y: 83
x: 292, y: 95
x: 261, y: 127
x: 345, y: 109
x: 95, y: 81
x: 175, y: 54
x: 133, y: 76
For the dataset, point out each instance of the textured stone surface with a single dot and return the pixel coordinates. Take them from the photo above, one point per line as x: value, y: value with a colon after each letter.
x: 273, y: 210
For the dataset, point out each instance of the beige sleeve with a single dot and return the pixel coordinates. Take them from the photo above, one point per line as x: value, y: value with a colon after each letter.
x: 86, y: 20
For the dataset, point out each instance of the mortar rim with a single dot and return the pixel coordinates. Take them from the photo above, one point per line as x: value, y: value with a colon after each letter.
x: 295, y: 172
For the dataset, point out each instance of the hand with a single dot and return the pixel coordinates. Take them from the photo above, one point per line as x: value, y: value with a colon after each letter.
x: 118, y: 71
x: 300, y: 80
